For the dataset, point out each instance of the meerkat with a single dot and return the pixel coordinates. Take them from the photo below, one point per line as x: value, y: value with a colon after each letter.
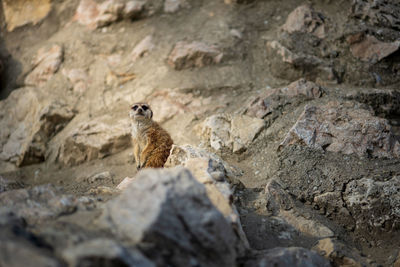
x: 151, y: 143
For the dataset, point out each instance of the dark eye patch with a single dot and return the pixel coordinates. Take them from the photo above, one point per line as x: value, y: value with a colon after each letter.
x: 135, y: 107
x: 145, y: 108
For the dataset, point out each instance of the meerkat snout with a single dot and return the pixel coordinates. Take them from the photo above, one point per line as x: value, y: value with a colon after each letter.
x: 140, y: 110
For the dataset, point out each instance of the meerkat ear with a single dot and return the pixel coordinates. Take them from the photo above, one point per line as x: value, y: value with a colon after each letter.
x: 151, y: 114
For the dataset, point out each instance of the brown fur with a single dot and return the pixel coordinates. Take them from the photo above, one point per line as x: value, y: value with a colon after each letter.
x: 151, y: 143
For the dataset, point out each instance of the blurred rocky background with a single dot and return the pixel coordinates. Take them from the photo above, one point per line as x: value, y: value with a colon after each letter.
x: 285, y: 117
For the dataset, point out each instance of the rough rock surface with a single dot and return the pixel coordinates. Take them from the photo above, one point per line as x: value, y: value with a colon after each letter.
x: 94, y: 15
x: 344, y: 128
x: 195, y: 54
x: 172, y: 198
x: 95, y: 139
x: 142, y: 48
x: 292, y: 256
x: 273, y: 100
x: 214, y: 173
x: 46, y: 63
x: 374, y: 203
x: 38, y: 204
x: 380, y: 13
x: 234, y: 133
x: 305, y: 19
x: 78, y: 78
x: 280, y: 203
x: 368, y: 48
x: 6, y: 185
x: 298, y: 64
x: 339, y: 254
x: 29, y: 125
x: 18, y: 13
x: 104, y: 252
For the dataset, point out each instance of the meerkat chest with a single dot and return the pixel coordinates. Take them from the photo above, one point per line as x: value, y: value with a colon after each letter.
x: 138, y: 134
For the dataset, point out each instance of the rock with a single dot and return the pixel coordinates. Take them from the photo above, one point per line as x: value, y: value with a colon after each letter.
x: 344, y: 128
x: 305, y: 19
x: 397, y: 262
x: 97, y: 138
x: 142, y: 48
x: 94, y: 15
x: 29, y: 122
x: 339, y: 254
x: 290, y: 65
x: 6, y: 185
x: 100, y: 177
x: 187, y: 55
x: 281, y: 204
x: 102, y: 190
x: 214, y: 173
x: 46, y: 63
x: 168, y: 103
x: 379, y: 13
x: 292, y: 256
x: 332, y: 203
x: 18, y: 13
x: 374, y: 203
x: 79, y: 79
x: 170, y: 210
x: 172, y: 6
x: 369, y: 49
x: 273, y: 101
x: 104, y: 252
x: 235, y: 133
x: 125, y: 183
x: 38, y: 204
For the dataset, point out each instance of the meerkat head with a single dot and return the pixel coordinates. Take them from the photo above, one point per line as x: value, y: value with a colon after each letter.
x: 140, y: 111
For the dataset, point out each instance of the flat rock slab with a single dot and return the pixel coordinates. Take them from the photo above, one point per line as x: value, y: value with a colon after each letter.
x: 344, y: 128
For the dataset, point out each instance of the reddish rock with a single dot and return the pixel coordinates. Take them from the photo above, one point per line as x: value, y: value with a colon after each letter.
x: 344, y: 128
x: 305, y: 19
x: 273, y: 99
x: 369, y: 49
x: 46, y: 63
x: 143, y: 47
x: 195, y: 54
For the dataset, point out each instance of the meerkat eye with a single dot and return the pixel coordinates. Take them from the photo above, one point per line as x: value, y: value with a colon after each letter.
x: 135, y: 107
x: 145, y: 108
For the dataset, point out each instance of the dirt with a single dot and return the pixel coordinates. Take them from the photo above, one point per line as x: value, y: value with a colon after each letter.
x: 243, y: 73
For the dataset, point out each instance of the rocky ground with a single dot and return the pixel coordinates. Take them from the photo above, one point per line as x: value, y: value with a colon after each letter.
x: 285, y: 117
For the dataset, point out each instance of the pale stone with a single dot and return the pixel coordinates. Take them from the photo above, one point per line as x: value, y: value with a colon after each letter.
x: 305, y: 19
x: 143, y: 47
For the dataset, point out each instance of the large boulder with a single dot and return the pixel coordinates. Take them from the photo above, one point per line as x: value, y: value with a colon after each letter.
x: 97, y: 138
x: 230, y: 132
x: 28, y: 123
x: 345, y: 128
x: 169, y: 211
x: 219, y: 179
